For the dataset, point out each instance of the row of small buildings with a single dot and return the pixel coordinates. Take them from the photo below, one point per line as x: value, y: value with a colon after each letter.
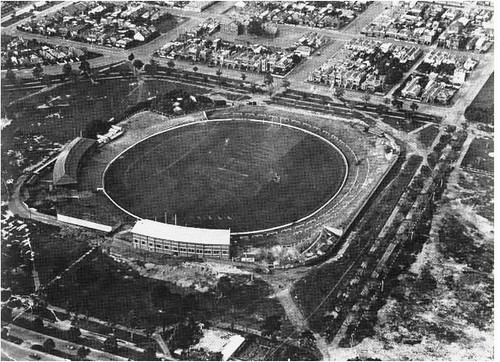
x: 421, y: 23
x: 333, y: 15
x: 20, y: 53
x: 438, y: 77
x: 103, y: 23
x: 474, y: 31
x: 355, y: 66
x: 253, y: 57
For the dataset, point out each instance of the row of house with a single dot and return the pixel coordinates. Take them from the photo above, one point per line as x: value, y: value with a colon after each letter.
x: 254, y: 57
x: 431, y: 90
x: 357, y: 65
x: 334, y: 15
x: 473, y: 32
x: 20, y: 53
x: 421, y: 23
x: 438, y: 77
x: 111, y: 24
x: 207, y: 27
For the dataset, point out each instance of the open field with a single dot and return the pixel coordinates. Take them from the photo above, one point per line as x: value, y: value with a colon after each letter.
x: 428, y: 135
x: 240, y: 175
x: 481, y: 108
x: 479, y: 156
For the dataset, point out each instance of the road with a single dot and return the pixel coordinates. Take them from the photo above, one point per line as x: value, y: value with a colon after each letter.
x: 14, y: 352
x: 12, y: 27
x: 30, y: 337
x: 297, y: 77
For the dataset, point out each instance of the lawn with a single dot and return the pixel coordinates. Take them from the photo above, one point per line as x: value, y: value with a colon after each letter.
x: 238, y: 175
x: 113, y: 291
x: 428, y: 135
x: 316, y: 286
x: 479, y: 155
x: 42, y: 123
x: 482, y: 107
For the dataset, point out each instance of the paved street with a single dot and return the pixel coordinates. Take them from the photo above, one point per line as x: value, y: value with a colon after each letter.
x: 14, y: 352
x: 30, y: 337
x: 297, y: 77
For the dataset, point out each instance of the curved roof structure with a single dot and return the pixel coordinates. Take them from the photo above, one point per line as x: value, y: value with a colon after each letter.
x: 66, y: 166
x: 183, y: 234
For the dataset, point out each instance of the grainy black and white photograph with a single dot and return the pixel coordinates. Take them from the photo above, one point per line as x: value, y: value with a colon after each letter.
x: 247, y: 180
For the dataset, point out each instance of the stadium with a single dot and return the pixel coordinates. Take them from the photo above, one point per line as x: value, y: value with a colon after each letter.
x: 275, y: 182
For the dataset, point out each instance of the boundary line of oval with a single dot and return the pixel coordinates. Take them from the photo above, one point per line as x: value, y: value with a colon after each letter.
x: 241, y: 233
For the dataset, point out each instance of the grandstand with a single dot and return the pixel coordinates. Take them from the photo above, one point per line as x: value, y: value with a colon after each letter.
x: 67, y: 163
x: 180, y: 240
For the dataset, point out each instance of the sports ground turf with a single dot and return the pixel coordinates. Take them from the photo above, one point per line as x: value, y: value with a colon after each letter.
x: 240, y: 175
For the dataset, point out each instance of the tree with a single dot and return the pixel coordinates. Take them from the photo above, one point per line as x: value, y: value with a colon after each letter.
x: 95, y: 127
x: 397, y: 103
x: 152, y: 68
x: 5, y: 332
x: 10, y: 76
x: 224, y: 286
x: 268, y: 79
x: 38, y: 70
x: 131, y: 57
x: 366, y: 98
x: 149, y: 354
x: 414, y: 106
x: 195, y: 69
x: 6, y: 314
x: 74, y: 334
x: 381, y: 109
x: 243, y: 76
x: 338, y: 92
x: 46, y: 80
x: 49, y: 345
x: 185, y: 334
x: 110, y: 344
x: 285, y: 83
x: 393, y: 76
x: 85, y: 67
x: 426, y: 281
x: 271, y: 326
x: 255, y: 26
x: 82, y: 352
x: 138, y: 64
x: 253, y: 88
x: 38, y: 324
x: 307, y: 339
x: 67, y: 69
x: 219, y: 74
x: 171, y: 64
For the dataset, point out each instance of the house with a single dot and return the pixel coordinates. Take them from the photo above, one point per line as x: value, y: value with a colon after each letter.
x: 303, y: 51
x: 138, y: 36
x: 470, y: 64
x: 412, y: 89
x: 444, y: 95
x: 459, y: 76
x: 231, y: 28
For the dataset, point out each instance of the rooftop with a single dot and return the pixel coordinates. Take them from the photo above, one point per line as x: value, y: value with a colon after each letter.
x: 182, y: 234
x: 66, y: 166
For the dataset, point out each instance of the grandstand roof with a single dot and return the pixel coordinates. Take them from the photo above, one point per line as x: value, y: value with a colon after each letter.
x: 182, y: 234
x: 66, y: 166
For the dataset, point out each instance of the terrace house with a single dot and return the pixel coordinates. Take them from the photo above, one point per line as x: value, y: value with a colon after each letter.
x: 412, y: 89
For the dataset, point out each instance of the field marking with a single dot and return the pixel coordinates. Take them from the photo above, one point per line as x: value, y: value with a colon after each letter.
x: 346, y: 165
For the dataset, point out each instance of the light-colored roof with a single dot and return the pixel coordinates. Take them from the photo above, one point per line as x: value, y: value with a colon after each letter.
x: 182, y: 234
x: 66, y: 166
